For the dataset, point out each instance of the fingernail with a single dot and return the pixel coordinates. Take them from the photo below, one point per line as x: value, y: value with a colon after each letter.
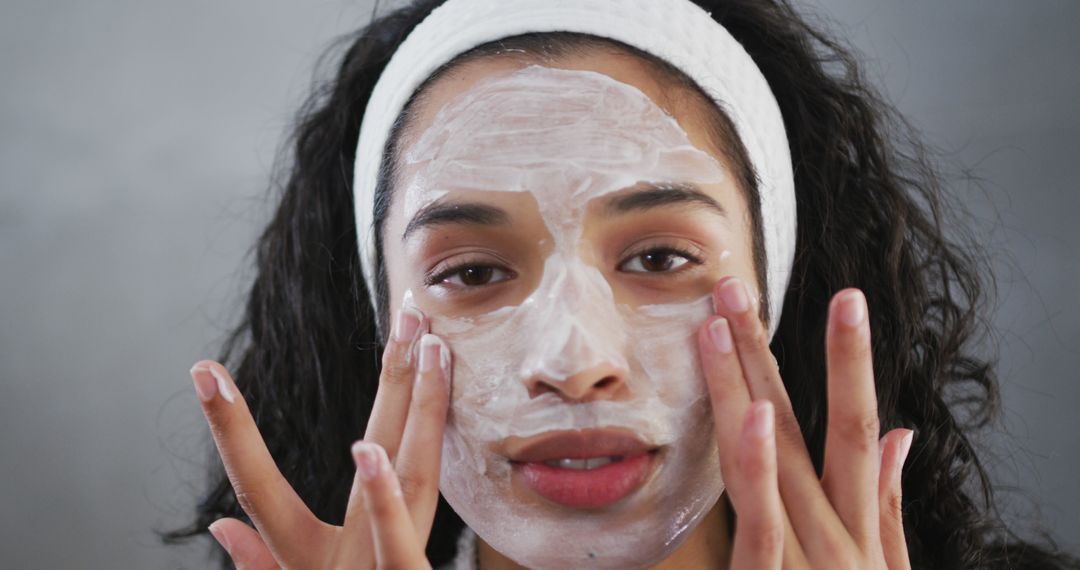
x: 735, y: 296
x: 905, y: 447
x: 215, y: 531
x: 205, y: 386
x: 222, y: 385
x: 852, y: 308
x: 368, y: 459
x: 444, y: 360
x: 408, y: 322
x: 762, y: 423
x: 431, y: 353
x: 720, y: 333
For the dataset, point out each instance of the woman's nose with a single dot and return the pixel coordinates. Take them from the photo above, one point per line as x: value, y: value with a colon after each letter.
x: 600, y: 382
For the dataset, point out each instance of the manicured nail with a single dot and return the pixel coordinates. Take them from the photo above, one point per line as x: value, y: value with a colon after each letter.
x: 735, y: 295
x: 431, y: 353
x: 223, y: 386
x: 905, y: 447
x: 215, y: 531
x: 761, y: 425
x: 368, y: 459
x: 205, y: 386
x: 444, y: 360
x: 720, y: 333
x: 852, y: 308
x: 408, y: 322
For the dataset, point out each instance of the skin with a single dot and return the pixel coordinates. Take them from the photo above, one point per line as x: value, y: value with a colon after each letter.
x: 605, y: 236
x: 787, y: 516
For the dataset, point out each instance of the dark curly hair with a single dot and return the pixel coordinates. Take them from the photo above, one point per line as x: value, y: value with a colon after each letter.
x: 872, y: 214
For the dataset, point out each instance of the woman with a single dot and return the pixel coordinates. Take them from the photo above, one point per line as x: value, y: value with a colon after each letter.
x: 578, y: 254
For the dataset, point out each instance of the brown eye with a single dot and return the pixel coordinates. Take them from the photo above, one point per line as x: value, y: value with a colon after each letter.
x: 655, y: 261
x: 474, y: 276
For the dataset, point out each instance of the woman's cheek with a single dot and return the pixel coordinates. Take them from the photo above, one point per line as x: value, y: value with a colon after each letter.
x: 662, y: 339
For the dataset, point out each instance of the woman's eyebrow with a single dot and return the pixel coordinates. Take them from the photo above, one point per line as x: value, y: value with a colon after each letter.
x: 663, y: 194
x: 440, y: 212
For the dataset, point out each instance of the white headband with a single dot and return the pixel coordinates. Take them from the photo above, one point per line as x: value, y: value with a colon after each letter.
x: 677, y: 31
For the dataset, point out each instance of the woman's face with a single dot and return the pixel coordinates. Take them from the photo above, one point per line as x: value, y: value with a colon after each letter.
x: 562, y: 226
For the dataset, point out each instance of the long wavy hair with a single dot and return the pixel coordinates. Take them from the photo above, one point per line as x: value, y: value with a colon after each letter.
x: 872, y: 213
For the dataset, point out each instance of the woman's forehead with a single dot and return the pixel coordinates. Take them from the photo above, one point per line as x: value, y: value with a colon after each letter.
x: 630, y: 70
x: 565, y: 135
x: 463, y: 77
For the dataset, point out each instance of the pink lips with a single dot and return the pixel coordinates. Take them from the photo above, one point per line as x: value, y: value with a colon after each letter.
x: 583, y: 469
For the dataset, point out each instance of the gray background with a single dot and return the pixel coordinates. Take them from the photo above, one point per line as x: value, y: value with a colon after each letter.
x: 136, y: 140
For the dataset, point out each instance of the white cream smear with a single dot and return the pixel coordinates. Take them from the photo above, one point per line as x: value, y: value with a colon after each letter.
x: 568, y: 137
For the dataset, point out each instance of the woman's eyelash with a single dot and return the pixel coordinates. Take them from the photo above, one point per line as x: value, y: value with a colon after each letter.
x: 441, y: 275
x: 668, y: 250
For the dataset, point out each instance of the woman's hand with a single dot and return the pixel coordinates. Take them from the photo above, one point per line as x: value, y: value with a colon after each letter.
x: 787, y: 517
x: 395, y: 490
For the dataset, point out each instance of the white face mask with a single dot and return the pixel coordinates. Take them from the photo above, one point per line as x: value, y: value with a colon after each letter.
x: 568, y: 137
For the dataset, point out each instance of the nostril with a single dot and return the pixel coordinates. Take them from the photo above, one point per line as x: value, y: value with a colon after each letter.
x: 605, y: 383
x: 537, y: 389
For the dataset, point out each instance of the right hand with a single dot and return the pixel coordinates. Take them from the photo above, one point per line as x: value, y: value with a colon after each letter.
x: 395, y: 490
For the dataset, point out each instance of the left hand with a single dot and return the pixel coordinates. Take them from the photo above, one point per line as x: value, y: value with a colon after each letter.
x: 787, y: 517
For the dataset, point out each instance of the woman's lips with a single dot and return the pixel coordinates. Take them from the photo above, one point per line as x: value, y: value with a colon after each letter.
x: 586, y: 488
x: 583, y: 469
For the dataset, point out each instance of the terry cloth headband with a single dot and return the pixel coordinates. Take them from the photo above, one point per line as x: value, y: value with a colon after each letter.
x: 677, y: 31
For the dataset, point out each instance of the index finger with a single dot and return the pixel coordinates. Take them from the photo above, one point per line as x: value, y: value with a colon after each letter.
x: 262, y: 491
x: 390, y: 410
x: 728, y: 393
x: 420, y: 454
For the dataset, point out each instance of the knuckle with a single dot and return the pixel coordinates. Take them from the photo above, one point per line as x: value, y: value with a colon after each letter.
x: 249, y: 500
x: 862, y: 345
x: 412, y: 484
x: 224, y: 420
x: 426, y: 399
x: 894, y: 507
x: 753, y: 465
x: 787, y: 427
x: 858, y: 348
x: 422, y: 404
x: 767, y: 537
x: 860, y: 430
x: 255, y: 494
x: 396, y: 368
x: 753, y: 337
x: 382, y: 507
x: 749, y: 465
x: 220, y: 425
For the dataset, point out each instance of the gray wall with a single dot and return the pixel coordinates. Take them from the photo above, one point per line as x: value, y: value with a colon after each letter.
x: 135, y: 142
